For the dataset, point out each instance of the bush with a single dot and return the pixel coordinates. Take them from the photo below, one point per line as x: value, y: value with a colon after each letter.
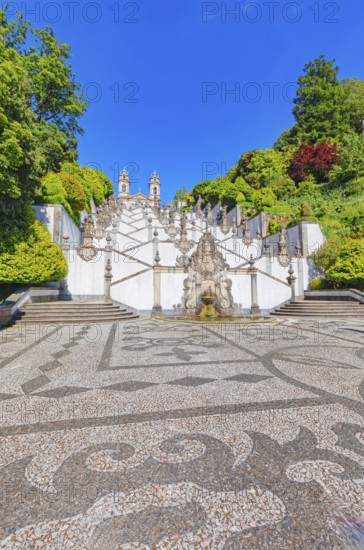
x: 316, y: 160
x: 305, y: 212
x: 34, y: 260
x: 326, y: 255
x: 348, y: 269
x: 52, y: 191
x: 319, y: 284
x: 75, y: 193
x: 273, y: 227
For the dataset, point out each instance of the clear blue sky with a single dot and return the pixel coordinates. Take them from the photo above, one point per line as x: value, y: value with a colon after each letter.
x: 161, y: 55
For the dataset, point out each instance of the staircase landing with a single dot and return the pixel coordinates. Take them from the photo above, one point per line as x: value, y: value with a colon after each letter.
x: 339, y: 309
x: 73, y: 313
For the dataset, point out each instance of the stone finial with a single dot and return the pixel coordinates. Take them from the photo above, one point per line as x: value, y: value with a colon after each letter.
x: 108, y: 247
x: 108, y: 270
x: 157, y: 258
x: 291, y: 279
x: 251, y: 261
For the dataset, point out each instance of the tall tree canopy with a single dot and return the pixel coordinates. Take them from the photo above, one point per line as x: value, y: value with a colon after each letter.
x: 40, y: 107
x: 320, y: 107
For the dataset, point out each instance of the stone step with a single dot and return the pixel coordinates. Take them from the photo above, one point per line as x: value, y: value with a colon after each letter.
x: 325, y: 304
x: 67, y: 305
x: 323, y: 315
x: 76, y: 321
x: 73, y: 313
x: 334, y: 309
x: 64, y: 311
x: 67, y: 314
x: 343, y: 309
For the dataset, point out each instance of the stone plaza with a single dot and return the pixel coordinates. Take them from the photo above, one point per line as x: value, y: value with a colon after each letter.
x: 157, y: 434
x: 150, y: 401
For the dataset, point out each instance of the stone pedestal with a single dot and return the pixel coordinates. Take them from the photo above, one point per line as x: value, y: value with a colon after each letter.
x: 254, y: 309
x: 157, y: 307
x: 107, y: 286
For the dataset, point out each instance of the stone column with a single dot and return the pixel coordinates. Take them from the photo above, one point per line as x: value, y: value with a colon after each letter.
x: 291, y: 281
x: 107, y: 286
x: 63, y: 286
x: 194, y: 230
x: 155, y: 244
x: 157, y: 307
x: 114, y: 232
x: 254, y: 310
x: 268, y: 257
x: 150, y: 228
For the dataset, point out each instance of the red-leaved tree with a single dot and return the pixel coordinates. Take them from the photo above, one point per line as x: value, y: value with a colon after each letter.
x: 316, y: 160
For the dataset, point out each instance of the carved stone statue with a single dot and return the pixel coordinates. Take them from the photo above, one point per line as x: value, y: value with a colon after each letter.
x: 199, y: 207
x: 207, y: 274
x: 224, y: 224
x: 282, y: 242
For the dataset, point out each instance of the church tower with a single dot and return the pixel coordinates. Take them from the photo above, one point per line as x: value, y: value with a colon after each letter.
x: 124, y: 185
x: 154, y: 187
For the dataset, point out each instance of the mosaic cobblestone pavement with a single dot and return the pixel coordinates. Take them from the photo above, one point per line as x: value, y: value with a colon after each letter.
x: 164, y: 435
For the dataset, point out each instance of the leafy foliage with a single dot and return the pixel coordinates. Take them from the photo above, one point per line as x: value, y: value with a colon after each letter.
x: 29, y: 256
x: 316, y: 160
x: 40, y: 108
x: 354, y: 102
x: 319, y: 284
x: 351, y: 161
x: 20, y: 162
x: 73, y: 188
x: 348, y: 267
x: 320, y: 110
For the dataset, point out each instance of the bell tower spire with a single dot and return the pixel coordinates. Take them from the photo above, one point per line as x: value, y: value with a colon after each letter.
x: 124, y: 185
x: 154, y: 186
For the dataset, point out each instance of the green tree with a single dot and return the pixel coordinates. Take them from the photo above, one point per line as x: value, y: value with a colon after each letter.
x: 261, y: 167
x: 53, y: 192
x: 288, y: 140
x: 320, y: 104
x: 355, y: 101
x: 351, y: 161
x: 20, y: 159
x: 55, y: 95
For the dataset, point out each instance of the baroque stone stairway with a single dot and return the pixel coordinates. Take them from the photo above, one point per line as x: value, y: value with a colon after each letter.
x: 73, y: 313
x: 322, y: 308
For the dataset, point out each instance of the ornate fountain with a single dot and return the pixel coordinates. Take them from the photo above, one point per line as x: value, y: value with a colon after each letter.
x: 207, y: 289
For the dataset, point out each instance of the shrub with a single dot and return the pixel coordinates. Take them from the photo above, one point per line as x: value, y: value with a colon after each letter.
x: 319, y: 284
x: 34, y: 260
x: 273, y: 227
x: 326, y: 255
x: 305, y: 212
x: 52, y: 191
x: 348, y: 269
x: 317, y: 160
